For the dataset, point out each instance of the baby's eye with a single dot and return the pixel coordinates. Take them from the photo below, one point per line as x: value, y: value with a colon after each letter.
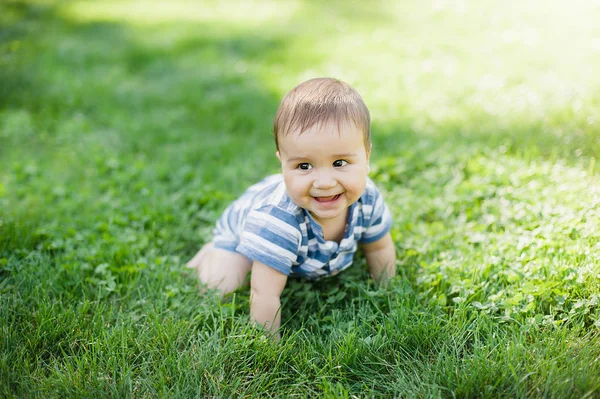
x: 339, y: 163
x: 304, y: 166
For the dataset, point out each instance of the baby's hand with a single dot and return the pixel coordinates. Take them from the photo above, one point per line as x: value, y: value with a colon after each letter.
x: 381, y: 259
x: 195, y: 262
x: 266, y: 286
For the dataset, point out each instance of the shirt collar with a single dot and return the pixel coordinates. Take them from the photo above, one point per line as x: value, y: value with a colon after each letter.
x: 316, y: 227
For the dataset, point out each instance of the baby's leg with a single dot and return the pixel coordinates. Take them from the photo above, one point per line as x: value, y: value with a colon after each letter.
x: 220, y: 269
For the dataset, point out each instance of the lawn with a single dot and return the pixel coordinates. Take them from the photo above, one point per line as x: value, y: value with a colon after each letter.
x: 126, y: 127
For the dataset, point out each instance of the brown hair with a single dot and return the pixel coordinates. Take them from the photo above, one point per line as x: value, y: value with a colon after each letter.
x: 319, y: 101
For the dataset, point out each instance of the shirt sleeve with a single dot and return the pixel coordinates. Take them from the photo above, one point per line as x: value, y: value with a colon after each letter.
x: 271, y: 236
x: 377, y: 218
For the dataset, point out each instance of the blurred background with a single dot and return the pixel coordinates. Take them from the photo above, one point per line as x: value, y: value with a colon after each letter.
x: 202, y: 78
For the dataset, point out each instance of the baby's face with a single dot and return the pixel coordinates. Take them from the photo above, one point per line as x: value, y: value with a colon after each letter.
x: 325, y: 169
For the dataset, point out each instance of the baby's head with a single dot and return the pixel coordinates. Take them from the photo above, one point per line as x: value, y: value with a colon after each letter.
x: 318, y: 102
x: 323, y: 142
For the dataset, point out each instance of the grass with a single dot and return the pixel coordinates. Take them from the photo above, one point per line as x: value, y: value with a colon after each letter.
x: 125, y: 129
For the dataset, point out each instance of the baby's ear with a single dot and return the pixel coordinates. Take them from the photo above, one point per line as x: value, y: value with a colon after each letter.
x: 278, y: 156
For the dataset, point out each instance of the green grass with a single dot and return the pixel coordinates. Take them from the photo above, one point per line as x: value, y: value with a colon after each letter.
x: 126, y: 128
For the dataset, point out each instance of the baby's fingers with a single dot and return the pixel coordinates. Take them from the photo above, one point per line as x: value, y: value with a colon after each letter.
x: 195, y: 262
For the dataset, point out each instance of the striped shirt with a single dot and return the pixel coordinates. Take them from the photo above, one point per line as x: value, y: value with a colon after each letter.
x: 265, y: 225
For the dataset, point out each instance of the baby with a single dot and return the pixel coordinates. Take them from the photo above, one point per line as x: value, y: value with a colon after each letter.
x: 308, y: 220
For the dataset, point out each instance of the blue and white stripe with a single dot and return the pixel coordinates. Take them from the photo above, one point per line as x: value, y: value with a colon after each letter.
x: 265, y: 225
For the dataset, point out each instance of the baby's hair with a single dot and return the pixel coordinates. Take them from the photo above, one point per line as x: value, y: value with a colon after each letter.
x: 320, y: 101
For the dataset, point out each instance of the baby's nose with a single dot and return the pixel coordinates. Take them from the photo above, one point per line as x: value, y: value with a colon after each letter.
x: 324, y: 180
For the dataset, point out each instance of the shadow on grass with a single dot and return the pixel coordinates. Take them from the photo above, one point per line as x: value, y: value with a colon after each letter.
x: 90, y: 99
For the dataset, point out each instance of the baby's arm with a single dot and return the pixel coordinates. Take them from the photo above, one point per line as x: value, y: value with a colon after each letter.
x: 381, y: 258
x: 266, y: 286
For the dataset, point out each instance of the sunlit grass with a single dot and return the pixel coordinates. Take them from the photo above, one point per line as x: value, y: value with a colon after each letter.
x: 249, y: 13
x: 482, y: 68
x: 512, y: 64
x: 126, y: 128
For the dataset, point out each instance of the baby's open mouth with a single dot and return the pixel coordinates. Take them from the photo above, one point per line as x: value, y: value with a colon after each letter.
x: 327, y: 199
